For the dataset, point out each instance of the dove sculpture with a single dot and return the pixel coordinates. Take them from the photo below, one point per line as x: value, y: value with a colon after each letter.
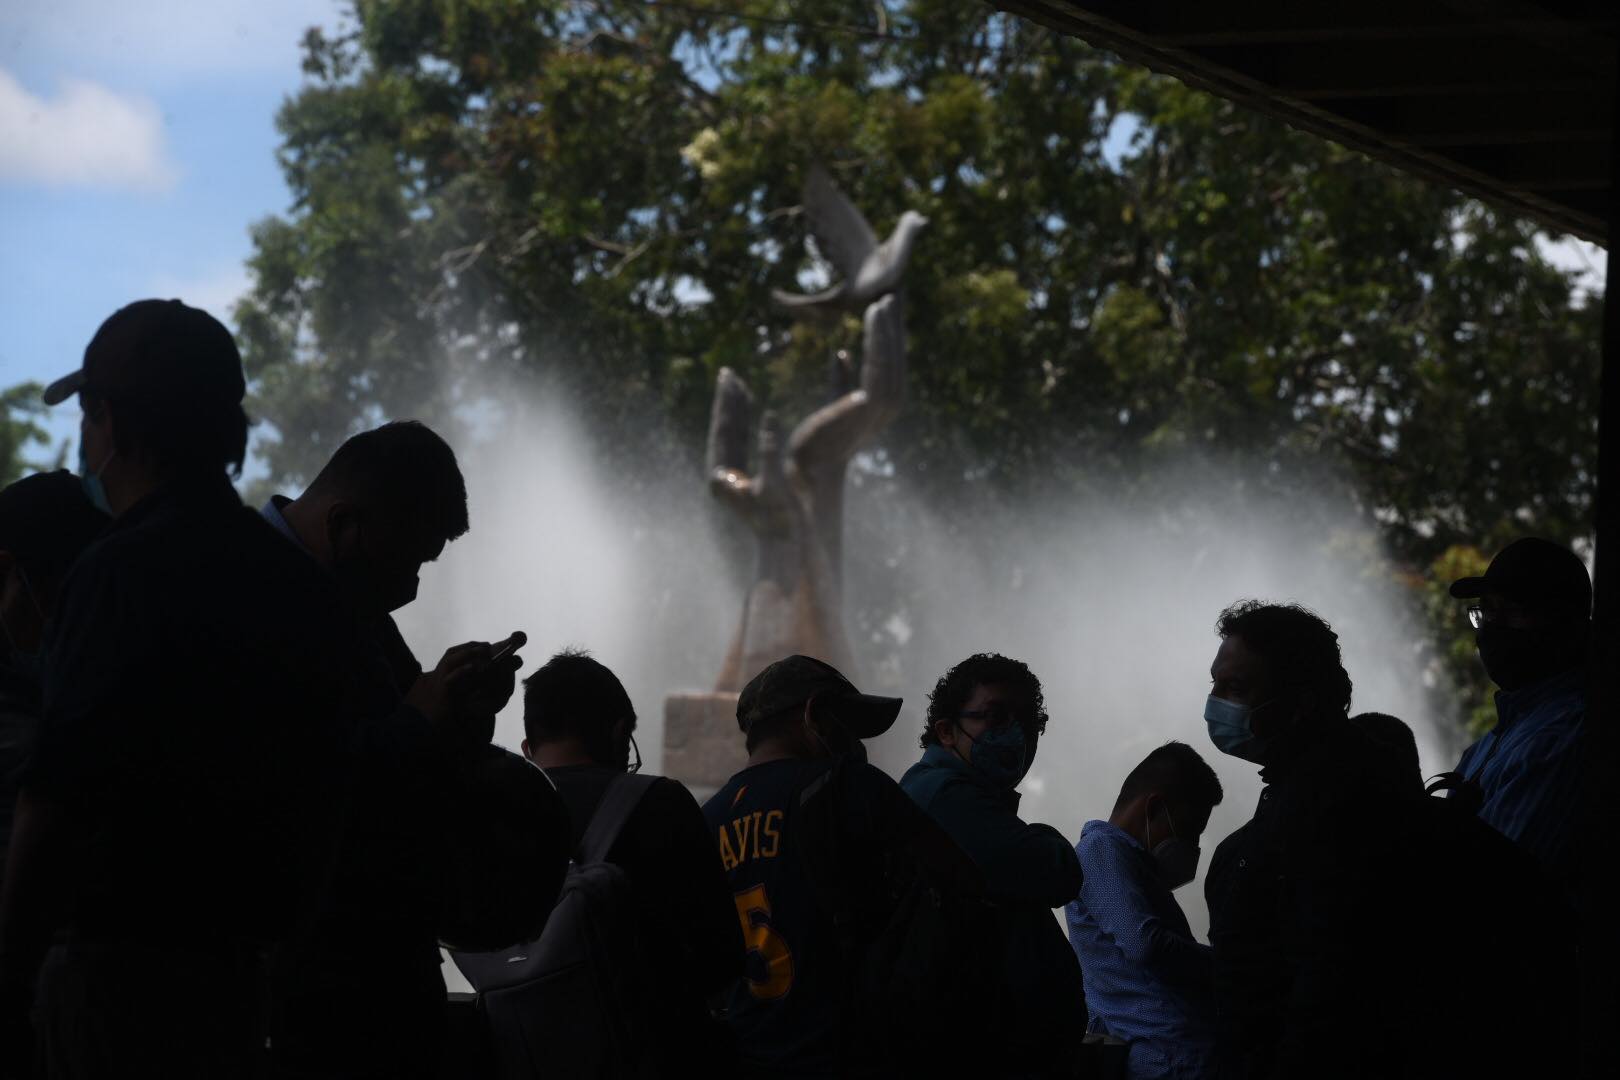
x: 871, y: 270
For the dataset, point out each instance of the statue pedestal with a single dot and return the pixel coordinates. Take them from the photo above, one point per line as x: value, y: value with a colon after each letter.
x: 702, y: 746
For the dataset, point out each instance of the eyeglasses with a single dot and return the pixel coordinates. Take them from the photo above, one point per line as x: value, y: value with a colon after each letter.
x: 1001, y: 712
x: 1476, y: 616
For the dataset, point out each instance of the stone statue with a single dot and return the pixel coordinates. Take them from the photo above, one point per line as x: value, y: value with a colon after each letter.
x: 794, y: 497
x: 794, y: 501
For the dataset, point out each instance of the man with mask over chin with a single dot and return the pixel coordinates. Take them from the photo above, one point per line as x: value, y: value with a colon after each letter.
x: 985, y: 720
x: 1532, y: 618
x: 1149, y: 982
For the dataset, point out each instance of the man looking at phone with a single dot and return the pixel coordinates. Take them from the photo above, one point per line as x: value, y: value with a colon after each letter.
x: 386, y: 504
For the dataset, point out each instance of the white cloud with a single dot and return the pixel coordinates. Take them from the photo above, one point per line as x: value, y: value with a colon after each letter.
x: 1588, y: 262
x: 84, y: 136
x: 215, y: 291
x: 161, y: 41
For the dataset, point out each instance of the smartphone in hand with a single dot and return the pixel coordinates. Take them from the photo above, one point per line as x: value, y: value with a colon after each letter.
x: 502, y: 649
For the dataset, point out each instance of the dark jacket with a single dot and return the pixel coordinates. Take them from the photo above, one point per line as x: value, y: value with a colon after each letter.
x: 1355, y: 924
x: 202, y: 699
x: 19, y: 720
x: 1029, y: 869
x: 440, y: 837
x: 1021, y: 862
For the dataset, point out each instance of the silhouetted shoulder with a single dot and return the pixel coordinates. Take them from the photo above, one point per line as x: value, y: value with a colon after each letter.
x: 667, y: 795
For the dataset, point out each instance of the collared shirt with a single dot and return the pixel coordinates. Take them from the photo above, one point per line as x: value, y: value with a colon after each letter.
x: 1148, y: 980
x: 1529, y: 767
x: 271, y: 512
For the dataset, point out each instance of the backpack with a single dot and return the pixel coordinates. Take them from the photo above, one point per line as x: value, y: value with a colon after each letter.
x: 576, y: 1001
x: 908, y: 948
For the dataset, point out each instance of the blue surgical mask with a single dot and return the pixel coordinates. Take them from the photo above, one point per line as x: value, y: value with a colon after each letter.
x: 90, y: 480
x: 1231, y: 730
x: 1000, y: 754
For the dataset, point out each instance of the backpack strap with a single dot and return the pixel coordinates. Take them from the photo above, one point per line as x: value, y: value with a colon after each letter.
x: 619, y: 801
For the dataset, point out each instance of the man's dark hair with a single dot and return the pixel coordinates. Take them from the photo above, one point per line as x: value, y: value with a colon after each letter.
x: 954, y: 688
x: 1300, y: 649
x: 404, y: 472
x: 1392, y: 738
x: 573, y: 695
x: 1178, y: 772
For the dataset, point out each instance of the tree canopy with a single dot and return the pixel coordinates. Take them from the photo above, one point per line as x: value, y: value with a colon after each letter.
x: 20, y: 407
x: 1118, y: 270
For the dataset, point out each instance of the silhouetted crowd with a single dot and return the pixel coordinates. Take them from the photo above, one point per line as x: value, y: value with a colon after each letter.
x: 240, y: 819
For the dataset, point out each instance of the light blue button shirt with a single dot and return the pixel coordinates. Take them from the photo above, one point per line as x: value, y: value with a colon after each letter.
x: 1529, y: 767
x: 272, y: 513
x: 1148, y: 980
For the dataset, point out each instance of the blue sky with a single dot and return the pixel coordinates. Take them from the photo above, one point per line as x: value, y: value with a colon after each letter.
x: 137, y: 147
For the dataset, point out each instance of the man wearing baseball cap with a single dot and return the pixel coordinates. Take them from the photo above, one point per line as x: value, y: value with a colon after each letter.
x: 1531, y: 613
x: 202, y: 690
x: 810, y: 837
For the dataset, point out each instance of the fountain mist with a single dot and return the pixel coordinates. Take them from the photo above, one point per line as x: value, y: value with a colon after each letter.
x: 1111, y: 602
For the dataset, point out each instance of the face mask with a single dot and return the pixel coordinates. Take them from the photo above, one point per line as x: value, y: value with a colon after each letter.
x: 1177, y: 859
x: 1516, y: 656
x: 90, y: 480
x: 1000, y: 754
x: 1231, y: 731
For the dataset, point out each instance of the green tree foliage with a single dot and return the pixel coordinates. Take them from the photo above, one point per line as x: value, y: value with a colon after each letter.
x: 1118, y: 270
x: 19, y: 406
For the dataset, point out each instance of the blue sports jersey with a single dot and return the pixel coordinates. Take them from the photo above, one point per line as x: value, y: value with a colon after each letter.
x: 785, y: 1010
x: 788, y: 863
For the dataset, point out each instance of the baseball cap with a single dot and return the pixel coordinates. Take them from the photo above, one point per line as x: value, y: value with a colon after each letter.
x: 157, y: 348
x: 790, y: 682
x: 1536, y: 572
x: 46, y: 520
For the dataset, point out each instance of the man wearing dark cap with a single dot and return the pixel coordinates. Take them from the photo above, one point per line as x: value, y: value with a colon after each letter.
x: 1531, y: 614
x: 45, y: 523
x: 202, y: 691
x: 810, y: 837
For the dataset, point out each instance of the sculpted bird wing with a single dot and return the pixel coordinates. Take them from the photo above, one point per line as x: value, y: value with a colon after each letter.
x: 840, y: 229
x: 730, y: 418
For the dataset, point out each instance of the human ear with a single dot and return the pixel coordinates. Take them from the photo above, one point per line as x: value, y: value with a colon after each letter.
x: 342, y: 527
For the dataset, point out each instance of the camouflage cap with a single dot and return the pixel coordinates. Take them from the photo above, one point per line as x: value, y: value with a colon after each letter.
x: 789, y: 683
